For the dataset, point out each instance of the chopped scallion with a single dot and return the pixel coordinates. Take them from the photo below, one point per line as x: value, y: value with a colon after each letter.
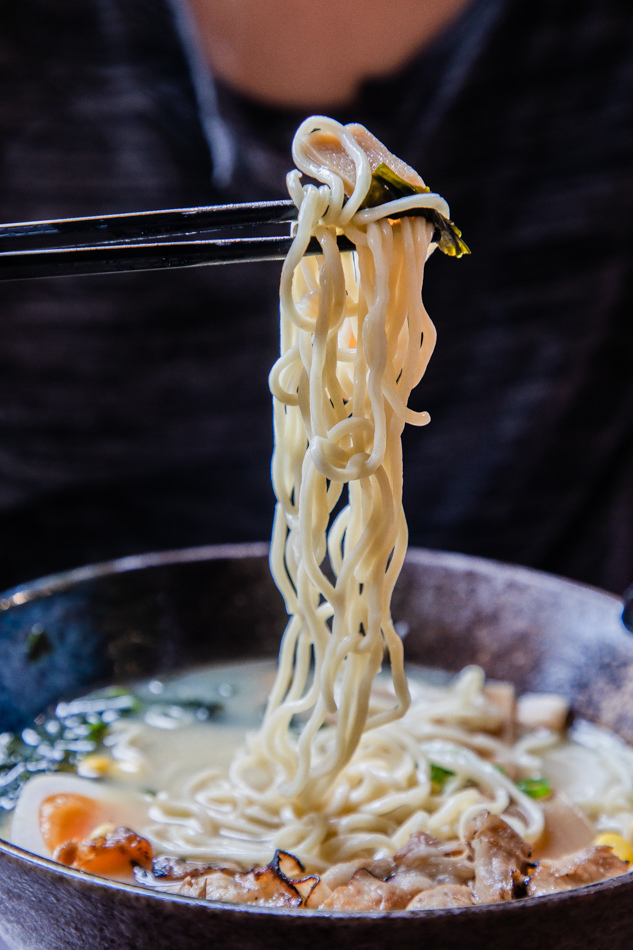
x: 438, y: 775
x: 535, y: 787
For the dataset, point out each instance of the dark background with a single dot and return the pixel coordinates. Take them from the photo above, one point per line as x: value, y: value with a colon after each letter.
x: 134, y: 411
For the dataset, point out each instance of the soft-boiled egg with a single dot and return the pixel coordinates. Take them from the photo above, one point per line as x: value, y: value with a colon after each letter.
x: 53, y: 809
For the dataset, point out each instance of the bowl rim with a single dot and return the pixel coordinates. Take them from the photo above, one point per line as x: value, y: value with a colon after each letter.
x: 49, y: 584
x: 61, y: 580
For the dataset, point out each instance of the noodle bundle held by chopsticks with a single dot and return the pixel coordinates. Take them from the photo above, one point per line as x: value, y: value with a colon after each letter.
x: 355, y: 340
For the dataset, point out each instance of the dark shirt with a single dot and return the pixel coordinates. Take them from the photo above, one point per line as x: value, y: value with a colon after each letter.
x: 134, y: 411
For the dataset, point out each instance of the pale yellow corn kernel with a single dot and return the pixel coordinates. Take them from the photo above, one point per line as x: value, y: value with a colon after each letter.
x: 621, y: 848
x: 94, y: 766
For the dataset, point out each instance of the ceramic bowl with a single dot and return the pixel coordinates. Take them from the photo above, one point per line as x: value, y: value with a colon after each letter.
x: 147, y: 615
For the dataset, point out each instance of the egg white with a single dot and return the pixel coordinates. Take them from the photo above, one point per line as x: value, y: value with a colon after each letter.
x: 122, y: 808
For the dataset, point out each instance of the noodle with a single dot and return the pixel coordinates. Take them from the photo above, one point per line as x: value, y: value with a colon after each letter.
x: 355, y: 340
x: 383, y: 795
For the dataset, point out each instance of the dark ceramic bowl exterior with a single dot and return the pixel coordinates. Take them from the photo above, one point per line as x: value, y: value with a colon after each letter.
x: 144, y: 616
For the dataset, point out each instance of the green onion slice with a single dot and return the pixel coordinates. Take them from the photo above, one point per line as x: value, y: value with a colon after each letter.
x: 438, y: 775
x: 535, y: 787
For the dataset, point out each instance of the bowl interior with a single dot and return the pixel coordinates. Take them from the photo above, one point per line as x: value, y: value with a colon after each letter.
x: 141, y: 617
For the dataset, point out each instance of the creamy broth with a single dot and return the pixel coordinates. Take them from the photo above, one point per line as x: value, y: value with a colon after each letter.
x: 149, y: 762
x: 188, y: 718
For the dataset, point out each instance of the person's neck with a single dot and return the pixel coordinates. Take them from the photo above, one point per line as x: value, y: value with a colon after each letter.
x: 294, y: 54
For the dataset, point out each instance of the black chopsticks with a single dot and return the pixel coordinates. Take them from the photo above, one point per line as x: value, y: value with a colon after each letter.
x: 148, y: 240
x: 118, y: 258
x: 143, y: 225
x: 155, y: 240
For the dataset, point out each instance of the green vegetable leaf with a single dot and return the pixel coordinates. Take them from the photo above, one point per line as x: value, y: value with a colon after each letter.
x: 58, y: 742
x: 438, y: 775
x: 387, y: 186
x: 97, y: 730
x: 38, y: 643
x: 535, y: 787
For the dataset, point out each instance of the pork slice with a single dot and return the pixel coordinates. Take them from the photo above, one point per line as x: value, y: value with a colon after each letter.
x: 216, y: 886
x: 325, y: 148
x: 501, y: 859
x: 503, y: 695
x: 411, y: 881
x: 446, y: 895
x: 441, y: 861
x: 340, y: 874
x: 585, y: 867
x: 267, y: 886
x: 418, y: 849
x: 542, y: 711
x: 263, y: 885
x: 292, y: 872
x: 366, y: 892
x: 567, y: 829
x: 170, y: 868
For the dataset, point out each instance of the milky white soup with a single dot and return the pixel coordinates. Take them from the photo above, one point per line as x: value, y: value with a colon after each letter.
x: 397, y: 829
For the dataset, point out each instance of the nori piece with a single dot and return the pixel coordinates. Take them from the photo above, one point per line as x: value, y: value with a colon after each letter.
x: 387, y: 186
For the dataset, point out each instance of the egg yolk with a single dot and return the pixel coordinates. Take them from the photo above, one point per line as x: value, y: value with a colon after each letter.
x: 67, y: 817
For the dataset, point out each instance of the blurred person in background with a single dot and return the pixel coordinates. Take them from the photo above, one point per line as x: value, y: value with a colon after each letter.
x: 134, y: 410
